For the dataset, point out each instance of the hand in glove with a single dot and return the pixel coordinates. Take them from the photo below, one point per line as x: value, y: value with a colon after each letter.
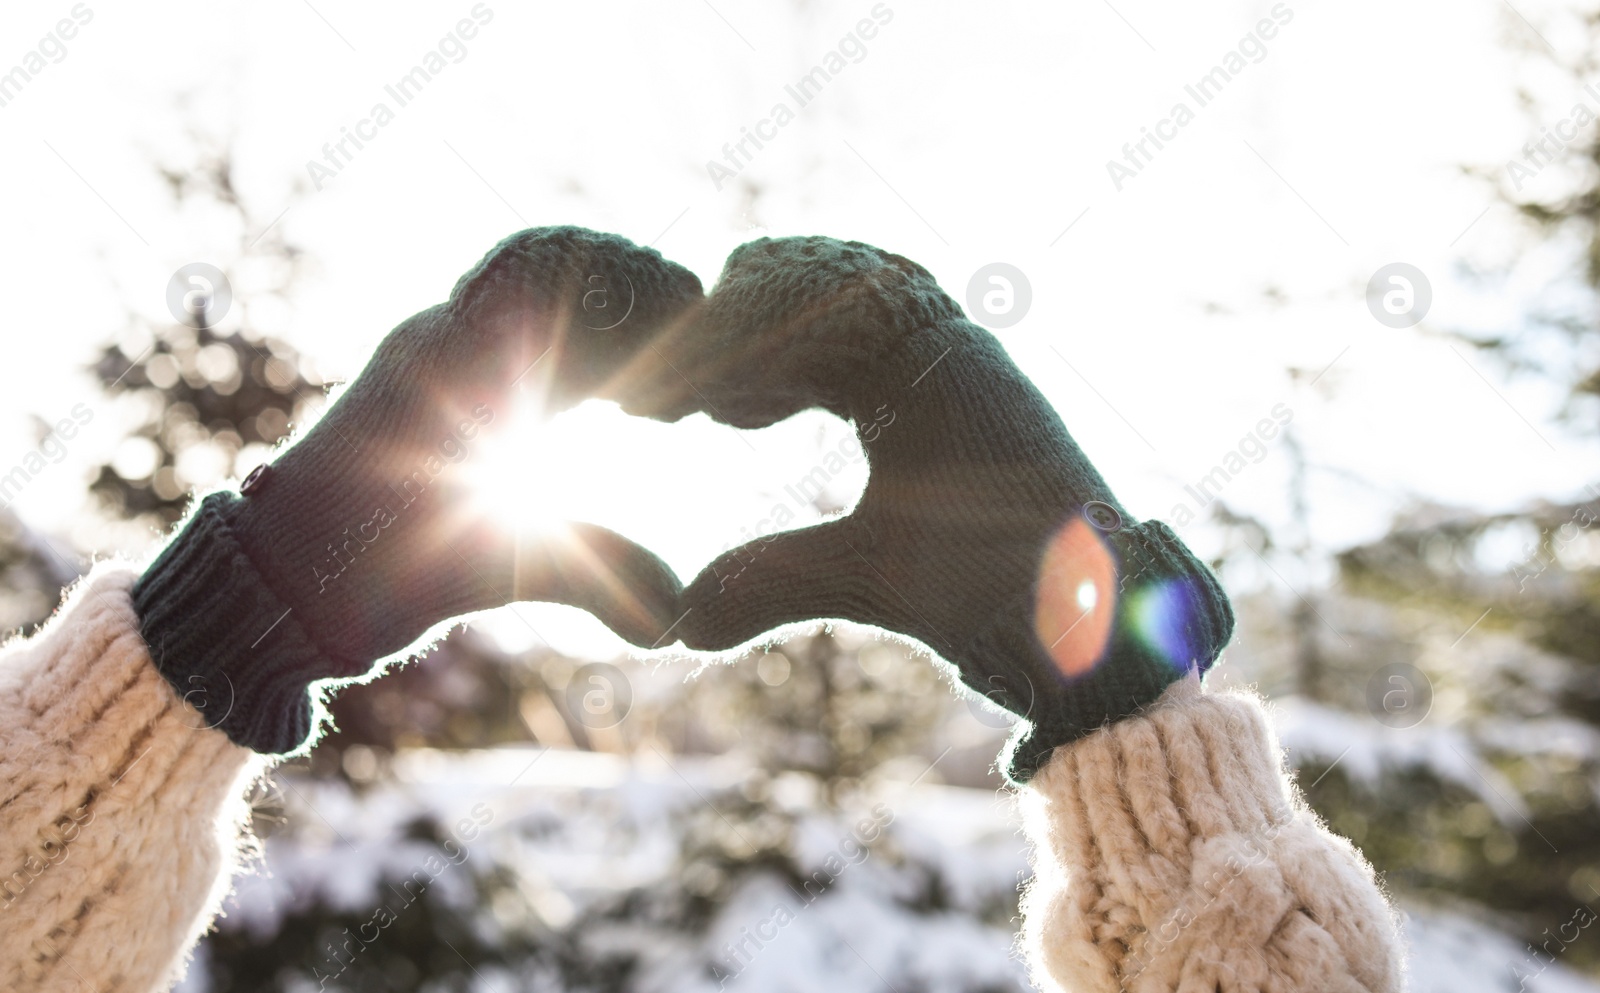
x: 353, y: 542
x: 984, y: 532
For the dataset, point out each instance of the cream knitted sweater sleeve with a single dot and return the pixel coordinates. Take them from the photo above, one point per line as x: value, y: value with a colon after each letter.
x: 121, y: 814
x: 1173, y: 854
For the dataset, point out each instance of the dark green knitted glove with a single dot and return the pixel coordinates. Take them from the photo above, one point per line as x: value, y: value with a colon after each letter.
x: 983, y: 532
x: 355, y: 541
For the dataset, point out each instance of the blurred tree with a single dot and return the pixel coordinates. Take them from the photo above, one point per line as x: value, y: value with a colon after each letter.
x: 813, y: 707
x: 1490, y: 793
x: 1526, y: 692
x: 211, y: 400
x: 214, y: 390
x: 1566, y: 216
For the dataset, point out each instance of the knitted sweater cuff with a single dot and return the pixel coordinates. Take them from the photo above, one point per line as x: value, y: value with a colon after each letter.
x: 122, y: 811
x: 225, y: 641
x: 1173, y: 844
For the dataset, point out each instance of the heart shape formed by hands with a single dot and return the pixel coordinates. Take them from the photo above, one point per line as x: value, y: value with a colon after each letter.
x: 984, y: 532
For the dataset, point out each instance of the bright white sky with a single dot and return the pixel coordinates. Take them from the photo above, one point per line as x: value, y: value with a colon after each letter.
x: 961, y: 139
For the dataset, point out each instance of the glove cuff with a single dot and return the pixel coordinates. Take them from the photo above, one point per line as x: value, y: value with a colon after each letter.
x: 1172, y: 618
x: 225, y: 641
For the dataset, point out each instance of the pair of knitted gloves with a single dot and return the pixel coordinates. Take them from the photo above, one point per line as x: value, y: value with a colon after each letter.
x: 983, y: 533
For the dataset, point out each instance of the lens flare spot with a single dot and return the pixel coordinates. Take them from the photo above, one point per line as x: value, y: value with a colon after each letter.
x: 1077, y: 598
x: 1163, y: 617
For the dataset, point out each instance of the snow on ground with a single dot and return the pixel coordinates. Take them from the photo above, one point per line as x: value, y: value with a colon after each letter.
x: 1451, y: 953
x: 580, y: 827
x: 1365, y: 748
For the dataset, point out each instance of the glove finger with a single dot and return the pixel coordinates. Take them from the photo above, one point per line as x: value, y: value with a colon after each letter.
x: 814, y: 573
x: 621, y: 582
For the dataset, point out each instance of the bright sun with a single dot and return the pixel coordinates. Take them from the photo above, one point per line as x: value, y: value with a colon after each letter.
x: 531, y: 475
x: 534, y: 472
x: 518, y: 474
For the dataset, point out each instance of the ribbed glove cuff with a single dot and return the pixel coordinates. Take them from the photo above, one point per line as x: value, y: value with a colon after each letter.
x: 225, y: 641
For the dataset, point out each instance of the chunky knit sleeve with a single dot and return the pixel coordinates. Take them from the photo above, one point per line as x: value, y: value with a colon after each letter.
x: 121, y: 814
x: 1173, y: 854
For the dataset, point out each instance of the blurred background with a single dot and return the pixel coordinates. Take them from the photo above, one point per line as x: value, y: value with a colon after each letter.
x: 1314, y: 283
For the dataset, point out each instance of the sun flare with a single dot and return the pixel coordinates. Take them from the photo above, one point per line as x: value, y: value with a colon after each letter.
x: 535, y: 471
x: 521, y: 467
